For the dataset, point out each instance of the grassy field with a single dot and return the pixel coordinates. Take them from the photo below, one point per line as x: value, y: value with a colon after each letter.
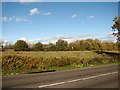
x: 46, y: 55
x: 29, y: 62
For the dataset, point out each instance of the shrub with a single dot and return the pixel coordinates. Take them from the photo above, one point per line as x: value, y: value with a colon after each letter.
x: 62, y: 45
x: 21, y: 45
x: 21, y: 62
x: 38, y: 47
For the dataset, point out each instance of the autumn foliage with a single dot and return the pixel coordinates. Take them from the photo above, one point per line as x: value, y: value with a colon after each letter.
x: 25, y: 62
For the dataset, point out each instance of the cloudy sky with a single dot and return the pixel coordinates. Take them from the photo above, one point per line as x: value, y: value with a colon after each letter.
x: 49, y: 21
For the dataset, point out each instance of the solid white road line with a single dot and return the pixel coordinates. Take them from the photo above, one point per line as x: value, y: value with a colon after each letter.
x: 48, y: 85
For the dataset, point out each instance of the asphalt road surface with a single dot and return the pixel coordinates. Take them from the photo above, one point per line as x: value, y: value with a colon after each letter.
x: 105, y: 76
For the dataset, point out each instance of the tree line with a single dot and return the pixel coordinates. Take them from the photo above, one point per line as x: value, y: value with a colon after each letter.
x: 79, y: 45
x: 62, y: 45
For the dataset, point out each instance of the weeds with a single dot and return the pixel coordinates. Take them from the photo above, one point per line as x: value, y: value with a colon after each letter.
x: 17, y: 63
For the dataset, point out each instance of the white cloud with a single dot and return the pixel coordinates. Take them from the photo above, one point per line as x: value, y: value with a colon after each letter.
x: 25, y: 20
x: 23, y: 38
x: 15, y: 19
x: 91, y: 17
x: 23, y: 1
x: 34, y: 11
x: 73, y: 16
x: 4, y: 19
x: 26, y: 0
x: 109, y: 37
x: 61, y: 0
x: 63, y: 37
x: 18, y: 19
x: 10, y: 19
x: 48, y: 13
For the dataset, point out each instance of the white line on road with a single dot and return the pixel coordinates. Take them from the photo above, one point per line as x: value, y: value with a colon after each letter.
x: 48, y: 85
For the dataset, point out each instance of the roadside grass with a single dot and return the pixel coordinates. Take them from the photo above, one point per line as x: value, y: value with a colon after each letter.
x: 51, y: 69
x: 37, y: 62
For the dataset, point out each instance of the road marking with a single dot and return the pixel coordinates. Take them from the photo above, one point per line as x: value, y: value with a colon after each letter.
x: 48, y: 85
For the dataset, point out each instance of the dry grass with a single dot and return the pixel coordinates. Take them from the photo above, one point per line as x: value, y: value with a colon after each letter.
x: 43, y: 61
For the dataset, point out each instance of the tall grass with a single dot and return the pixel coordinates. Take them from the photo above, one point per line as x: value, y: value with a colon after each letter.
x: 42, y: 61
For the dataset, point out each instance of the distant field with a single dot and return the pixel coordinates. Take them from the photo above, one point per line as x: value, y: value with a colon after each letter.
x: 27, y: 62
x: 46, y: 55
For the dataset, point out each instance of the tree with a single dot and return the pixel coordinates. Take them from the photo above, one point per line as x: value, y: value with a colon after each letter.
x: 88, y: 45
x: 82, y: 45
x: 38, y: 47
x: 74, y: 46
x: 21, y: 45
x: 62, y: 45
x: 52, y: 47
x: 46, y: 47
x: 1, y: 46
x: 116, y: 26
x: 97, y: 45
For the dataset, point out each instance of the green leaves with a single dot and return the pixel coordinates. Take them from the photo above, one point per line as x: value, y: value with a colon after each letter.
x: 21, y: 45
x: 38, y: 47
x: 62, y: 45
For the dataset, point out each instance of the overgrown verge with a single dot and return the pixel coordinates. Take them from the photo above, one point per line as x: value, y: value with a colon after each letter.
x: 14, y: 64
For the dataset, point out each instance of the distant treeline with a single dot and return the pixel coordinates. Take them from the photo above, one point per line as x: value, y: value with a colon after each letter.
x: 62, y: 45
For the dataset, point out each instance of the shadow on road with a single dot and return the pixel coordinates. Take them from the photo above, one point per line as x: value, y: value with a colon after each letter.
x: 42, y: 72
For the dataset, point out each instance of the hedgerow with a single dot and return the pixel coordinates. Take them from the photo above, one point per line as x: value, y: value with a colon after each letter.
x: 17, y: 62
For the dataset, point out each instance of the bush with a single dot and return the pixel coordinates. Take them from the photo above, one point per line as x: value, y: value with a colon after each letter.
x: 14, y: 62
x: 62, y: 45
x: 21, y: 45
x: 19, y: 62
x: 38, y: 47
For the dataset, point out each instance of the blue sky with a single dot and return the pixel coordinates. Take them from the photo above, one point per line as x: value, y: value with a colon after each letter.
x: 49, y: 21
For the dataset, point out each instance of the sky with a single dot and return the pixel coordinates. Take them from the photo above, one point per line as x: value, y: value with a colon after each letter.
x: 49, y: 21
x: 60, y: 0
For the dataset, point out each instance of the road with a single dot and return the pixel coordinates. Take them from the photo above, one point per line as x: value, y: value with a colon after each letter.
x: 105, y: 76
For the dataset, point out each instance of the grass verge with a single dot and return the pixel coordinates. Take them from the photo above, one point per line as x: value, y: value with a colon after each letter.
x: 52, y: 69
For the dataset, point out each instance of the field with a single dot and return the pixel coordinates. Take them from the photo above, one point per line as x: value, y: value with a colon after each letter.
x: 47, y: 55
x: 34, y: 62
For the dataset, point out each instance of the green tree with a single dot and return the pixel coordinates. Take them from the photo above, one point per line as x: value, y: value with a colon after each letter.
x: 21, y: 45
x: 82, y: 45
x: 62, y: 45
x: 38, y: 47
x: 71, y: 46
x: 88, y: 45
x: 74, y: 46
x: 52, y: 47
x: 46, y: 47
x: 97, y: 45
